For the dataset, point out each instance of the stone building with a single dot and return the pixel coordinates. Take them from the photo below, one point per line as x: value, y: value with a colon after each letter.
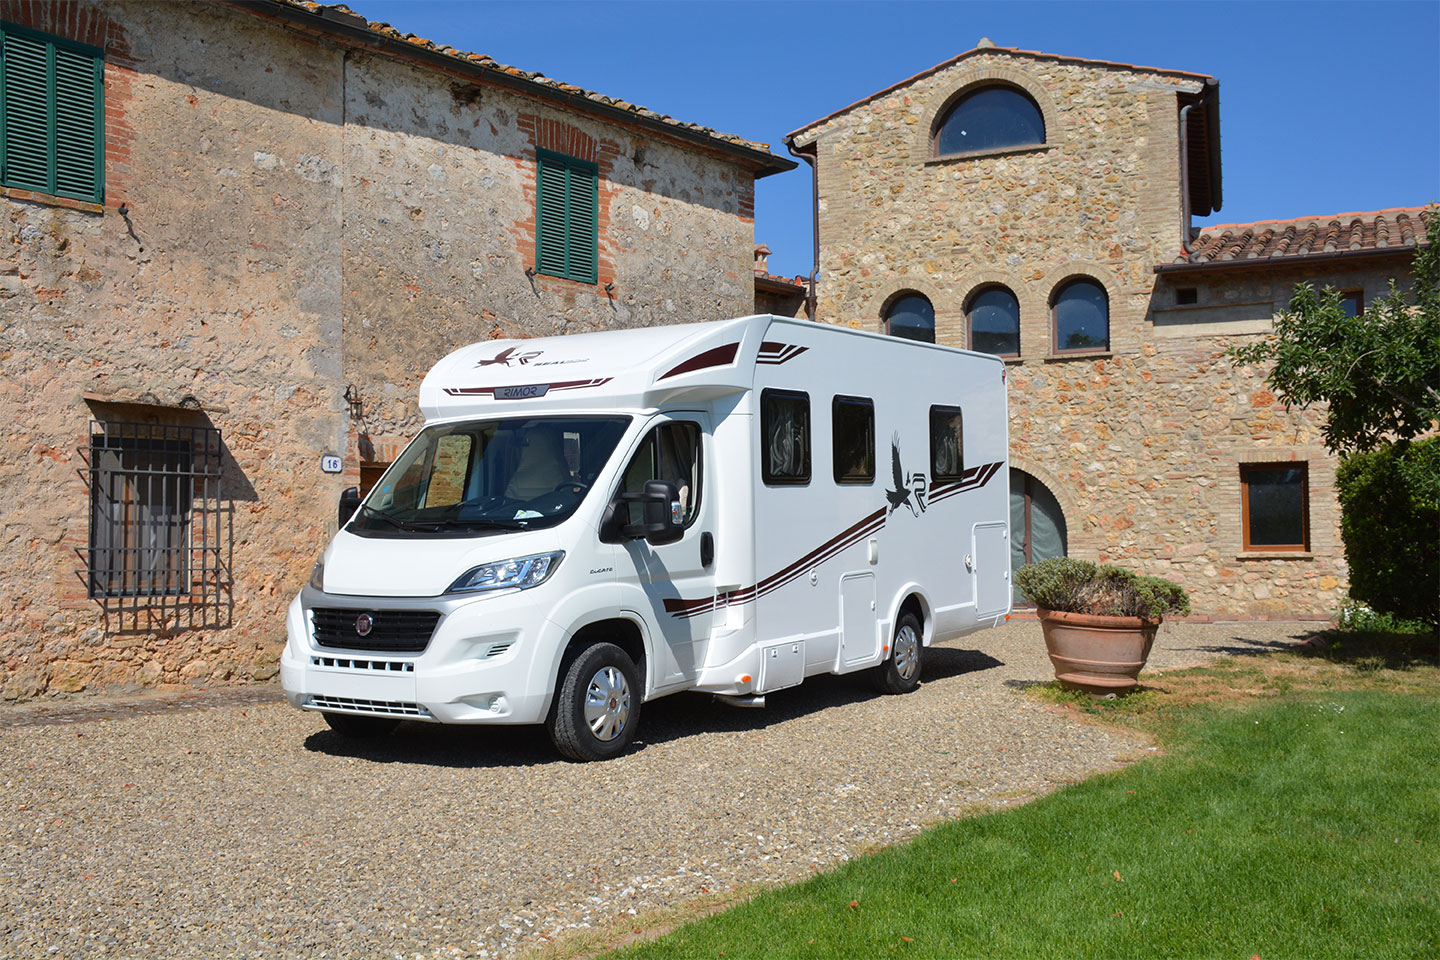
x: 233, y: 237
x: 1039, y: 207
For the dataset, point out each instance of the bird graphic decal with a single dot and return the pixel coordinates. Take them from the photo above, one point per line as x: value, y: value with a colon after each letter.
x: 909, y: 491
x: 504, y: 357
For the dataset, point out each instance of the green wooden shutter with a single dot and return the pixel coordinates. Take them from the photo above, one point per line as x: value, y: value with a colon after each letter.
x: 52, y: 136
x: 567, y: 209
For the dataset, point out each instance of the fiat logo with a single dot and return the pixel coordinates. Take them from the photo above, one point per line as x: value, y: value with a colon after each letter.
x: 364, y: 624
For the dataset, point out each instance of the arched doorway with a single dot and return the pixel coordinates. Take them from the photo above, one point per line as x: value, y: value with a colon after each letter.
x: 1037, y: 524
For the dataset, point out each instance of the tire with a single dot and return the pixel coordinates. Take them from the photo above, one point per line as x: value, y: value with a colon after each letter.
x: 597, y: 705
x: 354, y: 727
x: 901, y: 672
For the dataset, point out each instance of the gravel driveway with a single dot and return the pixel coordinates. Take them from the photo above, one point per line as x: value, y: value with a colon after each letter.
x: 249, y: 829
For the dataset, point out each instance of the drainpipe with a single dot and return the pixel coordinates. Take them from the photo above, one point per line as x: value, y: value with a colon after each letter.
x: 810, y: 300
x: 1185, y: 169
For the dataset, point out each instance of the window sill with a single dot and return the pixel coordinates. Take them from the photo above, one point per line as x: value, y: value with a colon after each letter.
x: 1010, y: 361
x: 1079, y: 355
x: 50, y: 200
x: 980, y: 154
x: 1276, y: 555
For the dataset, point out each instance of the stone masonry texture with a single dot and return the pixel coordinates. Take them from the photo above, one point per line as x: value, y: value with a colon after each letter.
x: 1142, y: 444
x: 284, y: 219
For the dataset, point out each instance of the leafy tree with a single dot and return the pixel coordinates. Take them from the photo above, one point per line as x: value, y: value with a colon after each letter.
x: 1379, y: 371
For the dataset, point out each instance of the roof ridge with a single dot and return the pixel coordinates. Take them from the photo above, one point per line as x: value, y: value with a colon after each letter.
x: 1251, y: 224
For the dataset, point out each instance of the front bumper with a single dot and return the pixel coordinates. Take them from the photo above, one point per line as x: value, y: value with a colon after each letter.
x: 490, y: 660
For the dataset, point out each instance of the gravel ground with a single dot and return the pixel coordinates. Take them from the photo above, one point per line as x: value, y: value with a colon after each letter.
x: 207, y: 828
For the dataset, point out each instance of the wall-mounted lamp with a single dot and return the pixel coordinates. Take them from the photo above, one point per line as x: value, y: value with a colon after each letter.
x: 357, y: 405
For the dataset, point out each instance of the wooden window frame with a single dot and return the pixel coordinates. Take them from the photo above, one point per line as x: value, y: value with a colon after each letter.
x: 890, y: 308
x: 770, y: 479
x: 1246, y: 545
x: 1055, y: 349
x: 52, y: 152
x: 568, y: 241
x: 970, y: 326
x: 1358, y: 296
x: 841, y: 478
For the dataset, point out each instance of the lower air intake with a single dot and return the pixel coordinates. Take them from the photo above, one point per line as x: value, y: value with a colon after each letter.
x: 380, y: 708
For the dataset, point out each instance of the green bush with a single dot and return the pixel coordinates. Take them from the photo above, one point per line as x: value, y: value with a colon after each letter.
x: 1079, y: 586
x: 1390, y: 521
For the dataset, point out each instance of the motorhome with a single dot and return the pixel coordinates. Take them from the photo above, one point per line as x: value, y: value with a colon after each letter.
x: 589, y: 522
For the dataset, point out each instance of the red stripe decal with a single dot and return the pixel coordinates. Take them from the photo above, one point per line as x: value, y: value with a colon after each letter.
x: 719, y: 356
x: 971, y: 479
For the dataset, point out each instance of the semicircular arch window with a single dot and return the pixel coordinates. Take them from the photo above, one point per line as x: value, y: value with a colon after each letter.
x: 912, y: 317
x: 994, y: 316
x: 991, y: 118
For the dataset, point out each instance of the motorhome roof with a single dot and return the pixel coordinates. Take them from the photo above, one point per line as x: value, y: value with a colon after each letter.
x: 643, y: 368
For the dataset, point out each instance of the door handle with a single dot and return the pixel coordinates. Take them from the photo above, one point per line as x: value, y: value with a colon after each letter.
x: 707, y: 549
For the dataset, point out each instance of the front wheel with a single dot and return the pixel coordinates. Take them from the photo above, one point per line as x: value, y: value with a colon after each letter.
x: 597, y: 705
x: 901, y: 673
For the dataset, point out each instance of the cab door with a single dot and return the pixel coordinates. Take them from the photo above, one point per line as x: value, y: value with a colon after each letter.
x: 676, y: 579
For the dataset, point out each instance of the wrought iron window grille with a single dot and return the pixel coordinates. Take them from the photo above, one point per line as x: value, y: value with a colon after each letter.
x: 157, y: 523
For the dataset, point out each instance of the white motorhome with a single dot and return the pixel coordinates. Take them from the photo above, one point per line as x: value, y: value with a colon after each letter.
x: 589, y: 522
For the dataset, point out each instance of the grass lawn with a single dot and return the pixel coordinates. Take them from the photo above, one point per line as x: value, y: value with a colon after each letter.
x: 1295, y: 812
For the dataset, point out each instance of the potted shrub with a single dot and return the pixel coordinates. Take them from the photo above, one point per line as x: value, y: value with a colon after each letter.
x: 1099, y: 621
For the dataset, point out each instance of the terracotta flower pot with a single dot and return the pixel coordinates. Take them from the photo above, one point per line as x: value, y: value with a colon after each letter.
x: 1100, y: 654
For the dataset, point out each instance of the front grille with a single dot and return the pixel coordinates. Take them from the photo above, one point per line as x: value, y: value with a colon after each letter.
x: 406, y: 631
x: 383, y: 708
x: 350, y: 663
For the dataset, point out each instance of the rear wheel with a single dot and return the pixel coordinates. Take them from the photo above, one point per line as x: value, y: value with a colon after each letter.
x: 360, y: 728
x: 901, y: 673
x: 597, y: 705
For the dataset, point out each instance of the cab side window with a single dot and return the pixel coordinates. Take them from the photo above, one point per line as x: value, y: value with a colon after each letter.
x: 670, y: 452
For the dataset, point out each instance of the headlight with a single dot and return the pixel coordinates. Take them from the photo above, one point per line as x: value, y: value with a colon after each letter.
x: 317, y: 576
x: 521, y: 573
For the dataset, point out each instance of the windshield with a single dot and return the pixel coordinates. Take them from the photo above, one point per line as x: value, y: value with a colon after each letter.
x: 518, y: 474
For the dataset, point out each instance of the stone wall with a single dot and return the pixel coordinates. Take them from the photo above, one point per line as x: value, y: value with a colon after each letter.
x: 284, y: 219
x: 1141, y: 443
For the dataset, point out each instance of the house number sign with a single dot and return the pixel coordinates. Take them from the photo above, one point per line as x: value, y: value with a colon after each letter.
x: 331, y: 464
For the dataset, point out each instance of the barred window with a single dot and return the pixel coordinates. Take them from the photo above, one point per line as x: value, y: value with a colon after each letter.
x: 154, y: 510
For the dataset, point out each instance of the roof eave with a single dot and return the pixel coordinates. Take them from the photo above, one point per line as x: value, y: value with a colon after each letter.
x: 1210, y: 266
x: 350, y: 31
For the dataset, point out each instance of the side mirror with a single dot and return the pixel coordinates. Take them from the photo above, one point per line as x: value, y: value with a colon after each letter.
x: 349, y: 503
x: 662, y: 513
x: 661, y: 505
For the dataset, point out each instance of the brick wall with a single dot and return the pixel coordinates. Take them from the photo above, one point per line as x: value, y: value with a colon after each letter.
x: 295, y: 224
x: 1141, y: 443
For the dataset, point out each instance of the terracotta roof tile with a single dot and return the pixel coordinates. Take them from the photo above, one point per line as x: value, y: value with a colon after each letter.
x: 339, y: 13
x: 1307, y: 236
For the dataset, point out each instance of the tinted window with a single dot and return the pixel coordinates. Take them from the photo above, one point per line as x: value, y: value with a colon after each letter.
x: 947, y: 444
x: 853, y: 433
x: 911, y: 317
x: 995, y: 322
x: 990, y: 119
x: 785, y: 434
x: 670, y: 452
x: 1082, y: 317
x: 1275, y: 514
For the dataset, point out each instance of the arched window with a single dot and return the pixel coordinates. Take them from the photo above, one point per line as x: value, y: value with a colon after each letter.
x: 991, y: 118
x: 911, y: 316
x: 994, y: 316
x: 1081, y: 313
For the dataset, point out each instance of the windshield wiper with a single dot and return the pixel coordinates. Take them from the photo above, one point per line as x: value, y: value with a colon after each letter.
x: 370, y: 511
